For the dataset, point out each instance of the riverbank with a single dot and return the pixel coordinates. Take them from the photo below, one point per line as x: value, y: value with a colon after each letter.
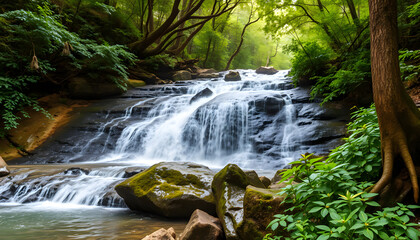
x: 34, y: 131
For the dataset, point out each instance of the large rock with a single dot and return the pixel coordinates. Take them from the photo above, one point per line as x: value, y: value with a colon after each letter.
x: 229, y: 189
x: 147, y: 77
x: 85, y: 88
x: 208, y: 75
x: 269, y: 104
x: 260, y: 205
x: 3, y: 168
x: 182, y: 75
x: 202, y: 226
x: 266, y: 70
x: 162, y: 234
x: 233, y: 76
x: 170, y: 189
x: 206, y: 92
x: 136, y: 83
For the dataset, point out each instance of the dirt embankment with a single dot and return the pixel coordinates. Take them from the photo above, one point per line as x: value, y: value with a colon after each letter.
x: 33, y: 131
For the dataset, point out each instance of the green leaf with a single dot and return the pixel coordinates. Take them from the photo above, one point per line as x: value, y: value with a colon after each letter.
x: 413, y: 233
x: 323, y: 227
x: 324, y: 212
x: 373, y: 204
x: 323, y: 237
x: 274, y: 226
x: 315, y: 209
x: 357, y: 226
x: 300, y: 227
x: 363, y: 216
x: 368, y: 233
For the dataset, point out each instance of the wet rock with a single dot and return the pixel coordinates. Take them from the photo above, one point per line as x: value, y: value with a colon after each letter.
x: 228, y: 187
x: 162, y: 234
x: 4, y: 171
x: 208, y: 75
x: 266, y: 70
x: 170, y: 189
x: 253, y: 178
x: 75, y: 171
x: 203, y: 93
x: 270, y: 105
x: 266, y: 181
x: 277, y: 176
x: 232, y: 76
x: 129, y: 172
x: 182, y: 75
x: 84, y: 88
x: 202, y: 226
x: 260, y: 205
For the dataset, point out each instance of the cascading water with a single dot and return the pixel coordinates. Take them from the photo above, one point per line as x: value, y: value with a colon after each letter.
x: 237, y: 123
x: 260, y: 123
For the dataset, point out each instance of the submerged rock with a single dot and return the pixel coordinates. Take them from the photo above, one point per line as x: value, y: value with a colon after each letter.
x: 260, y: 205
x: 4, y: 171
x: 202, y: 226
x: 233, y: 76
x: 162, y: 234
x: 229, y: 189
x: 182, y: 75
x: 266, y: 70
x: 170, y: 190
x: 206, y: 92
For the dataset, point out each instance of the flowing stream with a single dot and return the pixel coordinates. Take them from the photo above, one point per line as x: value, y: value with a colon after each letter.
x: 261, y: 122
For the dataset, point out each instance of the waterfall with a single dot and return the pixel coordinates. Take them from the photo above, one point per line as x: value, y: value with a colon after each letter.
x: 261, y: 122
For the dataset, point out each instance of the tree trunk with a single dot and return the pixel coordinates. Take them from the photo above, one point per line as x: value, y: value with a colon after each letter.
x: 399, y: 118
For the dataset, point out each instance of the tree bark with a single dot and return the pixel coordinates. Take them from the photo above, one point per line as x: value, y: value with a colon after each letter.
x: 399, y: 118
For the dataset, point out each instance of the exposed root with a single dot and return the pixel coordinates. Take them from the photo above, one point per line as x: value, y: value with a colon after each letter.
x: 389, y: 156
x: 387, y: 165
x: 405, y: 153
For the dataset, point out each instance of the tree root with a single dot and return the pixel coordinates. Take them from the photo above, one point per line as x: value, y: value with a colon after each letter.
x: 390, y: 152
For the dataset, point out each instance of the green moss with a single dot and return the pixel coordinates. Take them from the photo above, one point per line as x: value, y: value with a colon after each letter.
x: 141, y: 183
x: 166, y: 179
x: 170, y: 190
x: 233, y: 175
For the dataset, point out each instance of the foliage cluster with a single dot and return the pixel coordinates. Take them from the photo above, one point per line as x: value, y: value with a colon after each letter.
x: 330, y: 201
x: 39, y: 39
x: 410, y: 66
x: 345, y: 78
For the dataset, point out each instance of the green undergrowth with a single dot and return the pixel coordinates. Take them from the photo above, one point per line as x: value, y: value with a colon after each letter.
x: 332, y: 202
x: 37, y: 48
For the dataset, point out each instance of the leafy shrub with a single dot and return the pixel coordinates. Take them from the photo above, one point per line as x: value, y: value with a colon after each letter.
x: 354, y: 71
x: 409, y: 65
x: 330, y: 202
x: 25, y: 34
x: 309, y: 61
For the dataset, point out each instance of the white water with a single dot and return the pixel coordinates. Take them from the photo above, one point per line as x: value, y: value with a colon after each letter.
x: 213, y: 131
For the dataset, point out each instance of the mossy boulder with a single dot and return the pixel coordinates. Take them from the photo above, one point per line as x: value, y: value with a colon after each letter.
x: 182, y: 75
x: 136, y: 83
x: 266, y: 70
x: 170, y: 190
x: 232, y: 76
x: 260, y: 205
x: 229, y: 186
